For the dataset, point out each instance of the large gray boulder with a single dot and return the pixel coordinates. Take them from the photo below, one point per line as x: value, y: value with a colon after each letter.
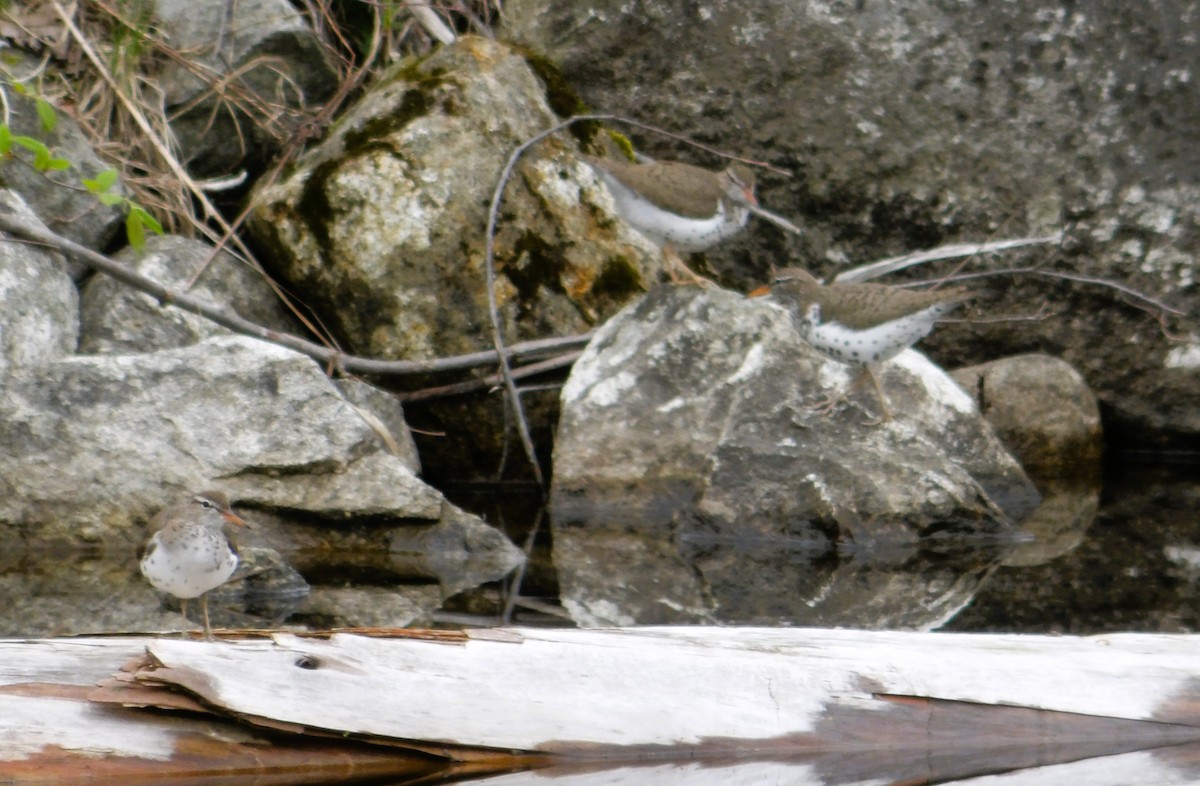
x: 39, y: 321
x: 97, y: 444
x: 250, y: 72
x: 908, y: 126
x: 693, y: 481
x: 383, y: 226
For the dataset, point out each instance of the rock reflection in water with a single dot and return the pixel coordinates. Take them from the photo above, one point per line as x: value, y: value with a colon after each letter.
x: 791, y: 580
x: 1129, y: 571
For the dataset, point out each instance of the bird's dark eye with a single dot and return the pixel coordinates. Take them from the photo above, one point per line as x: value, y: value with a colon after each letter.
x: 205, y: 503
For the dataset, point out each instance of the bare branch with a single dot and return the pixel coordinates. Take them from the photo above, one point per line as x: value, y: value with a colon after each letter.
x: 471, y: 385
x: 227, y: 318
x: 953, y: 251
x: 1137, y: 295
x: 432, y: 23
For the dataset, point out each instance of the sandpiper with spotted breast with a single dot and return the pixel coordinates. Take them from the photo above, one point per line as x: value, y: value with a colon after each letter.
x: 191, y: 551
x: 860, y: 324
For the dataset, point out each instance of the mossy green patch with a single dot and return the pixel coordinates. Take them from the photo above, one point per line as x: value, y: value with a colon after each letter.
x: 539, y: 266
x: 560, y: 95
x: 313, y: 206
x: 618, y: 277
x: 417, y: 102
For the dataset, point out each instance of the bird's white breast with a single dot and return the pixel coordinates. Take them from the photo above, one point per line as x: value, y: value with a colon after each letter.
x: 190, y: 566
x: 663, y: 227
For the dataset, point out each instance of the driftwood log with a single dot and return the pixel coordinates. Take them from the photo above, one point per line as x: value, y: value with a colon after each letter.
x: 794, y: 705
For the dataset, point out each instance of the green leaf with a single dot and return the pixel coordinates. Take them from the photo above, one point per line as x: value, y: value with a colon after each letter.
x: 147, y: 219
x: 20, y: 89
x: 102, y: 182
x: 109, y: 200
x: 46, y: 114
x: 58, y: 164
x: 32, y: 145
x: 135, y: 230
x: 6, y: 139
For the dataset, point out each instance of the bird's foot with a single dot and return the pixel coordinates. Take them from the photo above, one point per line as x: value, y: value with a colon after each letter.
x: 679, y: 273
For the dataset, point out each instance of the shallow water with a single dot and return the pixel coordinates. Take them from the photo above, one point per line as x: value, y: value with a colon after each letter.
x: 1123, y: 556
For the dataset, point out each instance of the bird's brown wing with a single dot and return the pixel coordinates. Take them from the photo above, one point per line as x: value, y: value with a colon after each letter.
x: 862, y: 306
x: 672, y: 185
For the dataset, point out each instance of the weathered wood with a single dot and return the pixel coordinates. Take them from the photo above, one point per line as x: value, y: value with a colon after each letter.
x: 52, y: 733
x: 1159, y: 767
x: 807, y: 705
x: 578, y: 690
x: 64, y: 738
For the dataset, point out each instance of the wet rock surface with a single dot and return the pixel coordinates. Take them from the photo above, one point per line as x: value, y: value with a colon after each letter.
x: 688, y: 442
x: 906, y: 128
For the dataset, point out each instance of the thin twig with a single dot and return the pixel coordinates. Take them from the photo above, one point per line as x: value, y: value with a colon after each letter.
x: 490, y: 256
x: 1076, y: 277
x: 510, y: 384
x: 953, y: 251
x: 775, y: 219
x: 226, y: 317
x: 514, y: 589
x: 490, y: 381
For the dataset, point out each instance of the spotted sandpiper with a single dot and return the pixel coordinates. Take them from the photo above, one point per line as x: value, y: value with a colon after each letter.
x: 191, y: 551
x: 680, y: 207
x: 860, y: 324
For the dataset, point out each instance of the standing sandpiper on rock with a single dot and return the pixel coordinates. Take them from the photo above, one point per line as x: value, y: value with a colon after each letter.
x: 191, y: 551
x: 860, y: 324
x: 678, y: 206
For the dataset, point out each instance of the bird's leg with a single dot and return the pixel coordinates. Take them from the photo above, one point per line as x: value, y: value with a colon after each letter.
x: 183, y: 610
x: 827, y: 405
x: 883, y: 402
x: 680, y: 273
x: 208, y: 634
x: 868, y: 372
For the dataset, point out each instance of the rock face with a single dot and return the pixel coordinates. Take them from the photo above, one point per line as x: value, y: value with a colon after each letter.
x: 1042, y: 409
x: 40, y: 320
x: 267, y: 65
x: 116, y: 319
x: 687, y: 452
x: 383, y: 226
x: 58, y: 198
x: 911, y: 127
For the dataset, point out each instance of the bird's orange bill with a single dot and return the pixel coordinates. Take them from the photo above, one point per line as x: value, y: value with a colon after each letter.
x: 234, y: 518
x: 765, y: 289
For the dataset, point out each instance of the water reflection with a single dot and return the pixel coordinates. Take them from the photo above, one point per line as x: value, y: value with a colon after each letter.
x: 1129, y: 560
x: 1130, y: 570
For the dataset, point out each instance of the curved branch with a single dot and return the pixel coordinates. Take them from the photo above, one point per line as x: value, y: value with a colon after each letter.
x: 221, y: 315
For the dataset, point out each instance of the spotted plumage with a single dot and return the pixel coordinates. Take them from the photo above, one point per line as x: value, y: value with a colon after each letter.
x: 860, y: 324
x: 191, y: 551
